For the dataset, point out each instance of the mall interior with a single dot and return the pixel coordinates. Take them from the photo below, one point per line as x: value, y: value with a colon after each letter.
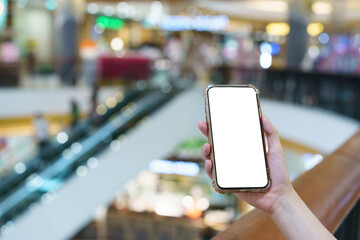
x: 100, y: 100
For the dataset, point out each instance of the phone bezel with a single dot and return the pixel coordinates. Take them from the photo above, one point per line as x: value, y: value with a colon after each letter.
x: 210, y: 136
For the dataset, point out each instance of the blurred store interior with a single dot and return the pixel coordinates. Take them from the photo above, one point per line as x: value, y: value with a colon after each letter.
x: 100, y: 99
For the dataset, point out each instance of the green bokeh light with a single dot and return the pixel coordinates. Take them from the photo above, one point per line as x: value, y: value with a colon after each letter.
x: 110, y: 23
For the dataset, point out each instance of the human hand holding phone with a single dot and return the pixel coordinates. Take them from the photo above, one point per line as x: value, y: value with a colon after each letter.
x: 281, y: 202
x: 280, y: 181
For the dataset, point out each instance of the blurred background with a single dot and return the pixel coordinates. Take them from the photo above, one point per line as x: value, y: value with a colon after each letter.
x: 99, y: 104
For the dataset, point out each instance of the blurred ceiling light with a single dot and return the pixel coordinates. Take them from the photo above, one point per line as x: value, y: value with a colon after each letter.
x: 35, y: 181
x: 315, y: 29
x: 193, y: 212
x: 166, y: 88
x: 93, y: 162
x: 51, y: 5
x: 76, y: 147
x: 93, y: 8
x: 278, y: 29
x: 275, y: 48
x: 119, y: 96
x: 156, y: 7
x: 165, y: 208
x: 267, y: 6
x: 188, y: 201
x: 117, y: 44
x: 111, y: 102
x: 170, y: 167
x: 322, y: 8
x: 81, y: 171
x: 109, y: 10
x: 122, y: 6
x: 265, y: 47
x: 183, y: 23
x: 324, y: 38
x: 313, y: 51
x: 122, y: 9
x: 62, y: 137
x: 203, y: 203
x: 265, y: 60
x: 20, y: 168
x: 99, y: 28
x: 141, y: 85
x: 115, y: 145
x: 101, y: 109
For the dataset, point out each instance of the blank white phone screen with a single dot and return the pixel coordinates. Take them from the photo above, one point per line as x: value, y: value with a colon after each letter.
x: 237, y: 138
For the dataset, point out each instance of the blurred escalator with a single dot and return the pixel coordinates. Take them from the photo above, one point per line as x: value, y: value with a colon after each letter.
x: 43, y: 177
x: 82, y: 130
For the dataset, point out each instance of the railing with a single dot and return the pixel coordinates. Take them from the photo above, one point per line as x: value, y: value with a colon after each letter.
x: 331, y: 189
x: 334, y: 92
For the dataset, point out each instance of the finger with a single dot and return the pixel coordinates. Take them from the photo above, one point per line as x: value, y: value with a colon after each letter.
x: 208, y: 168
x: 272, y: 134
x: 205, y: 151
x: 203, y: 128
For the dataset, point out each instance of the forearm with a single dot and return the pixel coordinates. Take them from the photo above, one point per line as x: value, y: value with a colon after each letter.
x: 296, y: 221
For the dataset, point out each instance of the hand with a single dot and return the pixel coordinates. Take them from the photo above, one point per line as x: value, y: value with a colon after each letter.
x: 280, y: 181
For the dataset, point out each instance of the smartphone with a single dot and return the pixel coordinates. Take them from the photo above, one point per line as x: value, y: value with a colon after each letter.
x: 236, y: 137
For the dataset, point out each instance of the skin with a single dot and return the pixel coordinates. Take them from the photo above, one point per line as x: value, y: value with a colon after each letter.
x: 281, y: 202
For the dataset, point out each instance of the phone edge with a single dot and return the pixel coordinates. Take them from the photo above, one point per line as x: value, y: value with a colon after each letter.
x: 215, y: 185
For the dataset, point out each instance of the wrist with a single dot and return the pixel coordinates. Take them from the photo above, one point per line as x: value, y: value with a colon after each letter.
x: 283, y: 204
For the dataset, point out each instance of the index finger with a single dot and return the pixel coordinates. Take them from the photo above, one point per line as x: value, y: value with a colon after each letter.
x: 203, y: 128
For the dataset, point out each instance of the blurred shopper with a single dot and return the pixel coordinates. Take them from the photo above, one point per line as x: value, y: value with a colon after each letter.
x: 74, y: 113
x: 281, y: 202
x: 3, y: 144
x: 66, y: 30
x: 31, y: 57
x: 89, y: 54
x: 41, y: 133
x: 174, y: 52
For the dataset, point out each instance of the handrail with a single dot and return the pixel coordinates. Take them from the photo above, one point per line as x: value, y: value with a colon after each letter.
x: 330, y: 190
